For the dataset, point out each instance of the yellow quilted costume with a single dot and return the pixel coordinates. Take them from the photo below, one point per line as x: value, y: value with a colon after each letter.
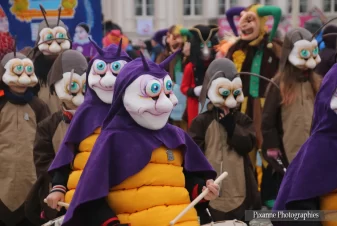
x: 80, y: 160
x: 161, y: 181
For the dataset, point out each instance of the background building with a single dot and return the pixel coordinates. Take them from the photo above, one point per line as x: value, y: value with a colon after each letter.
x: 140, y: 18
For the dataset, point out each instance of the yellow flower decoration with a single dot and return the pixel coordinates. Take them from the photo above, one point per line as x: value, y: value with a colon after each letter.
x: 238, y: 58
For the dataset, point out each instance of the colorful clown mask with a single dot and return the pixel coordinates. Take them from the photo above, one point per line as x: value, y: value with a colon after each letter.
x: 67, y: 78
x: 300, y: 49
x: 149, y: 99
x: 175, y: 39
x: 53, y: 36
x: 104, y: 69
x: 17, y: 72
x: 252, y: 23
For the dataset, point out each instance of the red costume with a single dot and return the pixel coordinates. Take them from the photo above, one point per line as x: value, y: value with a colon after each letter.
x: 202, y: 53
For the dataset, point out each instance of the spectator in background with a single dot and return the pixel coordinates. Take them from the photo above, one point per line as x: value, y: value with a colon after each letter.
x: 81, y: 41
x: 313, y: 25
x: 158, y: 44
x: 328, y: 54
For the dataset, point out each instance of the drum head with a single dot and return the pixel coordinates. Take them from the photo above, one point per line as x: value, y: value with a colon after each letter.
x: 226, y: 223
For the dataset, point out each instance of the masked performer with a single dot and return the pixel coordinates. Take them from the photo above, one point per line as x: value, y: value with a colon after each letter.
x: 67, y: 79
x: 287, y: 113
x: 202, y: 54
x: 86, y: 123
x: 311, y: 179
x: 82, y: 42
x: 224, y: 128
x: 151, y: 169
x: 52, y: 39
x: 175, y: 40
x: 255, y: 51
x: 20, y: 111
x: 329, y: 53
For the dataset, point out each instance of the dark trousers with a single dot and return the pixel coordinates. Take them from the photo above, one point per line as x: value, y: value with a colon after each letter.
x: 25, y: 222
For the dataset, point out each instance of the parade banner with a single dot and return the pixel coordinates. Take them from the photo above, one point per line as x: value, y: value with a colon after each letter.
x: 24, y: 17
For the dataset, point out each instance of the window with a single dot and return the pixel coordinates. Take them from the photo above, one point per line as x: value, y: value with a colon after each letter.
x: 233, y: 3
x: 144, y: 7
x: 327, y: 5
x: 269, y: 2
x: 192, y: 7
x: 303, y: 6
x: 222, y: 7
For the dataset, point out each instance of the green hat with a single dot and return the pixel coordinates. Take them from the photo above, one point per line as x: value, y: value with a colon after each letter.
x: 274, y: 11
x: 185, y: 32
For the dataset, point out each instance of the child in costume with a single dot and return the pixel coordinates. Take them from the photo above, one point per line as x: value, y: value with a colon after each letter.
x: 311, y: 179
x: 226, y: 136
x: 287, y: 113
x: 20, y: 112
x: 52, y: 39
x: 175, y: 40
x: 202, y: 53
x: 143, y: 170
x: 67, y: 79
x: 85, y: 126
x: 258, y: 52
x: 82, y: 42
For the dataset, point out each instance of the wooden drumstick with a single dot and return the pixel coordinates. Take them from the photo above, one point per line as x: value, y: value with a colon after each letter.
x: 197, y: 199
x: 63, y: 204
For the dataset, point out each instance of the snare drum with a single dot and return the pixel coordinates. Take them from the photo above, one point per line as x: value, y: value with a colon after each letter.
x: 226, y: 223
x: 56, y: 222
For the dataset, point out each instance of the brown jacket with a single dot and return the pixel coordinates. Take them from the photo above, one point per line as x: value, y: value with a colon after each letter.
x: 239, y: 190
x: 49, y: 135
x: 18, y: 124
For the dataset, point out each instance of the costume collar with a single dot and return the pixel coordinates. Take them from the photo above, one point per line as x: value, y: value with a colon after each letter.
x: 18, y: 99
x: 67, y: 115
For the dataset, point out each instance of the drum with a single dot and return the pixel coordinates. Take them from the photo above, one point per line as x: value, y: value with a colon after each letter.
x: 226, y: 223
x: 56, y: 222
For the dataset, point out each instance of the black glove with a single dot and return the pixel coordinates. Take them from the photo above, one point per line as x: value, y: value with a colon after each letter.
x: 229, y: 123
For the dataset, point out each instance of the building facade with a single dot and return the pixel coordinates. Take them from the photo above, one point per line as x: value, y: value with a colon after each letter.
x: 133, y: 15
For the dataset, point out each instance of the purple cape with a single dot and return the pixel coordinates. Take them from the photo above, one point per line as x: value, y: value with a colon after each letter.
x: 90, y: 115
x: 313, y: 172
x: 124, y: 148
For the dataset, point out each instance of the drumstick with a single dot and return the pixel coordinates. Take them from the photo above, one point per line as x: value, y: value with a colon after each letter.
x: 63, y: 204
x: 197, y: 199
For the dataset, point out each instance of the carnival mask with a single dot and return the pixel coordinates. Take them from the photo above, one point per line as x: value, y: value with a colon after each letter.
x: 225, y: 93
x: 19, y: 72
x: 70, y: 90
x: 52, y: 38
x: 175, y: 41
x: 304, y: 54
x: 249, y: 25
x: 102, y: 78
x: 150, y: 100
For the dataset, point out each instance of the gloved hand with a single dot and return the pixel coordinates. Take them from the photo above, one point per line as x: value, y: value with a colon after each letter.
x: 274, y: 153
x: 197, y: 90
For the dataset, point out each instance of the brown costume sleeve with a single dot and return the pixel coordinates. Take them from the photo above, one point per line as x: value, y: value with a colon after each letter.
x: 243, y: 139
x: 43, y: 151
x: 270, y: 119
x: 197, y: 131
